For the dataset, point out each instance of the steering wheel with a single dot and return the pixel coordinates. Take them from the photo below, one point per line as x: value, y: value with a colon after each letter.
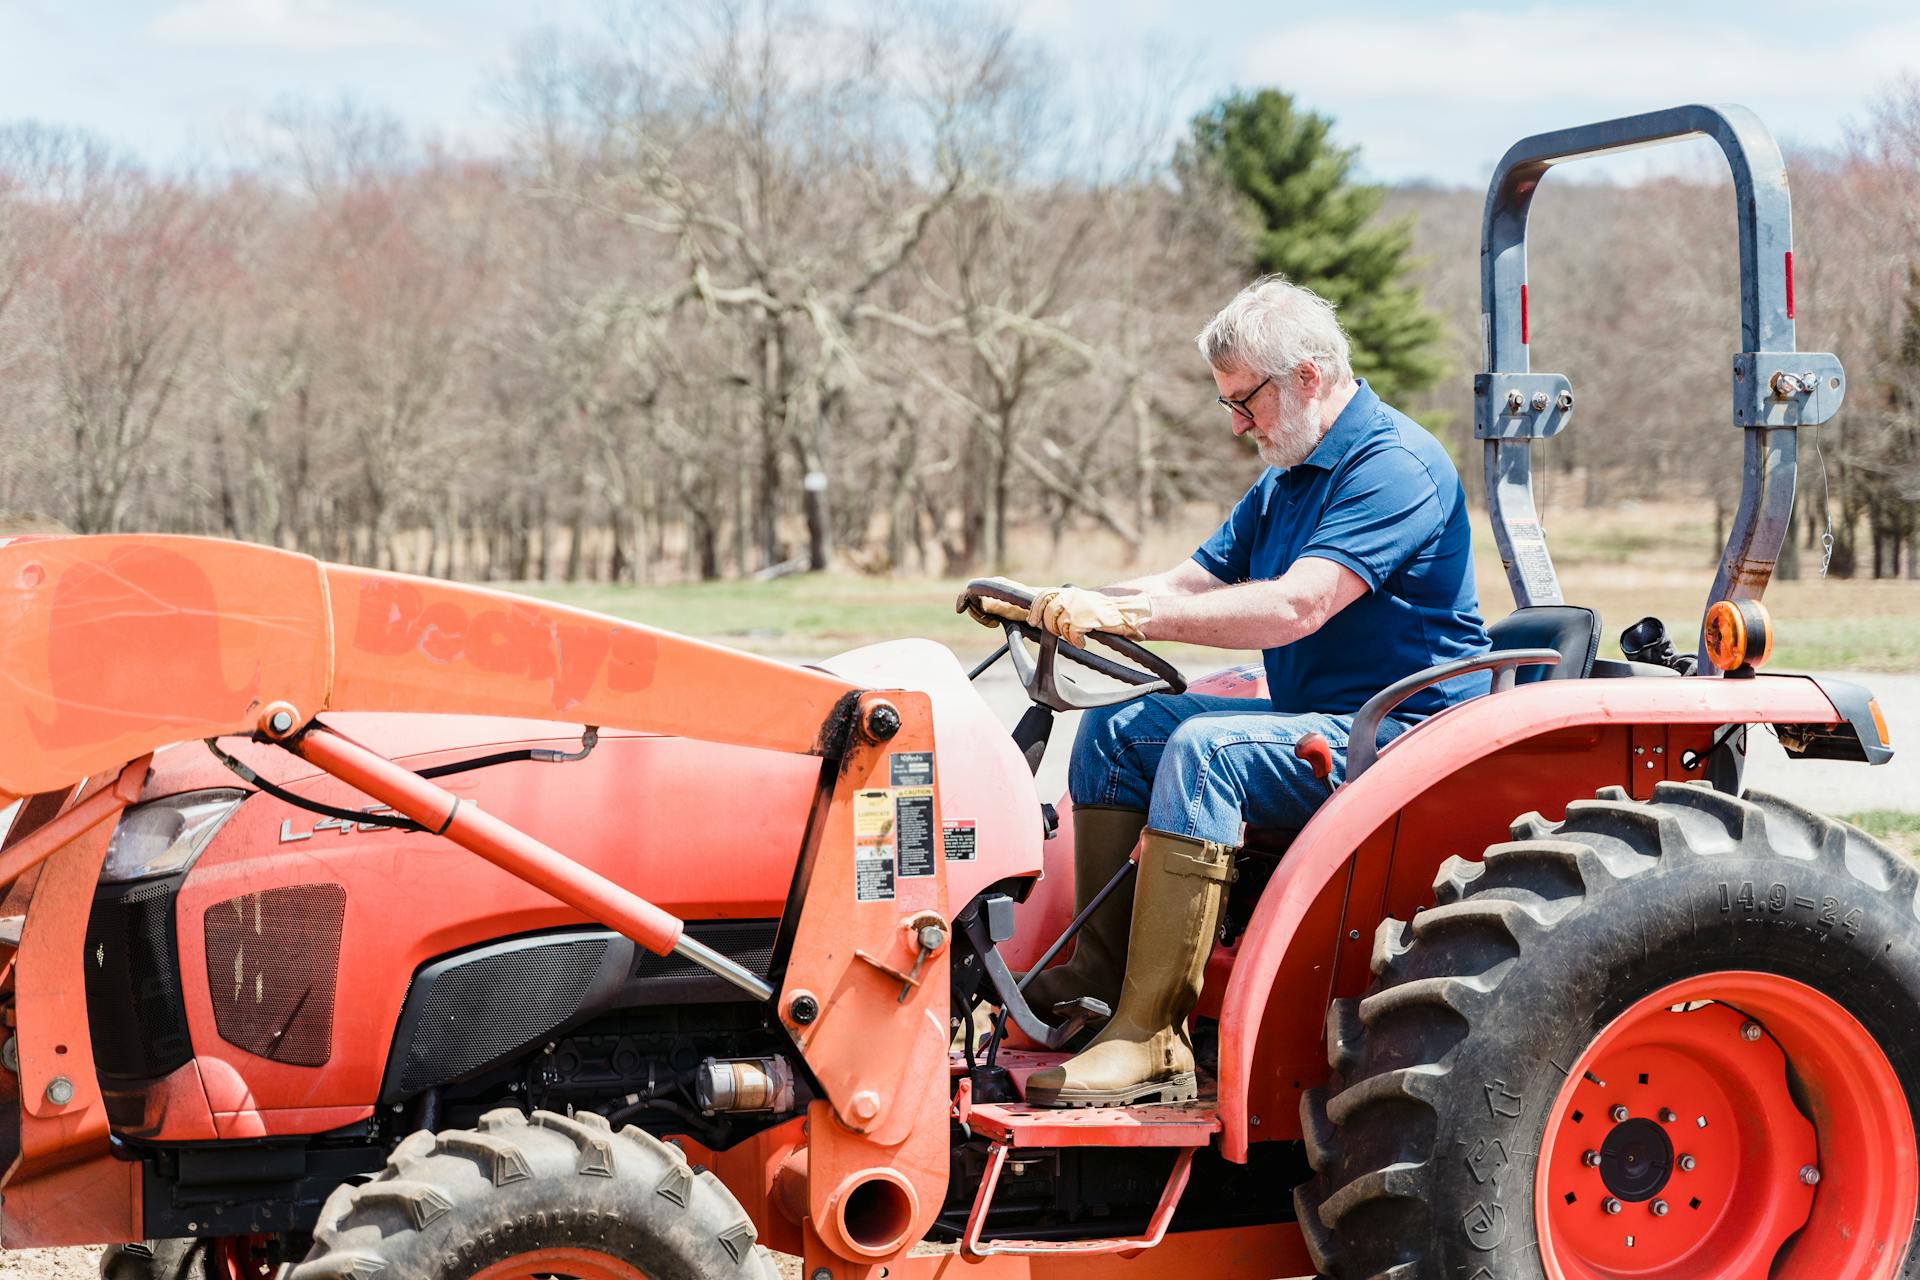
x: 1143, y: 672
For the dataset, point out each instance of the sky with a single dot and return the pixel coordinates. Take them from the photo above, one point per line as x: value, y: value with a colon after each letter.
x: 1426, y: 92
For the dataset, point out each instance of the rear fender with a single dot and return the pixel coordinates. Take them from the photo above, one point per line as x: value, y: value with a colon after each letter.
x: 1295, y: 927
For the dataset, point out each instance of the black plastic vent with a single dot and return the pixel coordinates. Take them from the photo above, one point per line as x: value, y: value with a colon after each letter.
x: 492, y: 1004
x: 135, y: 1013
x: 481, y: 1007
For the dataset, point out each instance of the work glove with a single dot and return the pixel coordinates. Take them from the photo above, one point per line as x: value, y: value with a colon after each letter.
x: 1071, y: 612
x: 989, y: 612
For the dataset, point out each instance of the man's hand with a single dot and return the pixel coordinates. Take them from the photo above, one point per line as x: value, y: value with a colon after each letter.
x: 1071, y: 612
x: 989, y: 612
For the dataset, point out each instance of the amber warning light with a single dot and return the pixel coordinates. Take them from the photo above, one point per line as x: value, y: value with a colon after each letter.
x: 1738, y: 635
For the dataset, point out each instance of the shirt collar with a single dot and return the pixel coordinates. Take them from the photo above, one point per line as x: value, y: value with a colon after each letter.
x: 1346, y: 431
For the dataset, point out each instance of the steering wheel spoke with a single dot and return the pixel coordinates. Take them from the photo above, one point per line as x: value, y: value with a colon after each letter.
x: 1142, y: 672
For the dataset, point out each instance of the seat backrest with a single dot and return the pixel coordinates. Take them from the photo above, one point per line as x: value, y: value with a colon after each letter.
x: 1569, y: 628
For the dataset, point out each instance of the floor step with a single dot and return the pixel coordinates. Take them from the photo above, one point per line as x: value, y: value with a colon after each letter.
x: 1015, y: 1124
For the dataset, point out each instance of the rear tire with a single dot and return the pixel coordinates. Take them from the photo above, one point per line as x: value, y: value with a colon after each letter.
x: 1448, y: 1142
x: 535, y: 1196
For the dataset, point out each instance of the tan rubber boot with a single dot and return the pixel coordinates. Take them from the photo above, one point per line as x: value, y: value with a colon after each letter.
x: 1103, y: 836
x: 1144, y: 1054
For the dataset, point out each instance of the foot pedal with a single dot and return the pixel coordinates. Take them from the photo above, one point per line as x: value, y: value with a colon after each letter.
x: 1078, y: 1014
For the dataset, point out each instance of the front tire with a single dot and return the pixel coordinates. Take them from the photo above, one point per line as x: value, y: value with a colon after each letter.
x: 546, y: 1195
x: 1666, y: 1039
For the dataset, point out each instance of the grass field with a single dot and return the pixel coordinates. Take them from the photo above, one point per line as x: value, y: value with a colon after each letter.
x: 1627, y: 562
x: 1898, y: 829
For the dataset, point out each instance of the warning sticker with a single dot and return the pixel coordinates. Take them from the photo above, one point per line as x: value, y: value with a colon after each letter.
x: 958, y: 839
x: 913, y: 807
x: 873, y: 843
x: 912, y: 768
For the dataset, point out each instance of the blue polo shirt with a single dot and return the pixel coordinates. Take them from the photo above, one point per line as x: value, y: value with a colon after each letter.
x: 1380, y: 496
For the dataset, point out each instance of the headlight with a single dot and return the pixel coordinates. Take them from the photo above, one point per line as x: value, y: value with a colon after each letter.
x: 164, y: 836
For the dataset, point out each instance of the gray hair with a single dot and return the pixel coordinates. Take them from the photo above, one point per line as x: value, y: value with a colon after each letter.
x: 1272, y: 328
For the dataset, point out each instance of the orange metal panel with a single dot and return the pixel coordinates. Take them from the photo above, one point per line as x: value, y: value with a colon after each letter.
x: 63, y: 1121
x: 1014, y: 1124
x: 418, y: 644
x: 114, y: 646
x: 174, y: 1108
x: 286, y: 1120
x: 96, y: 1201
x: 477, y: 831
x: 873, y: 1007
x: 1426, y: 758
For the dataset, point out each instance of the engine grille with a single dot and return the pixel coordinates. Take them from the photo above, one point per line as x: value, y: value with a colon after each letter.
x: 273, y: 962
x: 135, y: 1014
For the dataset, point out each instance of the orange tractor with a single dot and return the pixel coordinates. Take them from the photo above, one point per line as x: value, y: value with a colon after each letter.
x: 1539, y: 991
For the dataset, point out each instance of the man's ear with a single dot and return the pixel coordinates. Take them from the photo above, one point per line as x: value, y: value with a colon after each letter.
x: 1310, y: 379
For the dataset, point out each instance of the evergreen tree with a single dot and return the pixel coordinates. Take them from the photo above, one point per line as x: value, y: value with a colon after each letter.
x: 1316, y: 227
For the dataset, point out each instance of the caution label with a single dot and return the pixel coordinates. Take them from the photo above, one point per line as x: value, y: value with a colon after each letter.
x: 874, y: 823
x: 913, y: 808
x: 958, y: 839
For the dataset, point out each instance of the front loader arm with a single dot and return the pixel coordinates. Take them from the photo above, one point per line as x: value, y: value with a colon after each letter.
x: 113, y: 647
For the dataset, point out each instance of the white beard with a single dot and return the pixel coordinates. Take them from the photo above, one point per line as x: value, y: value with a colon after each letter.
x: 1293, y: 436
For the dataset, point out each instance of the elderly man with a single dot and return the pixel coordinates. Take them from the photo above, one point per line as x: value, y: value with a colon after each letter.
x: 1348, y: 564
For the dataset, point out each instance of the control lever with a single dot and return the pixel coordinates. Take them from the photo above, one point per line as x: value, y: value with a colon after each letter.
x: 989, y: 922
x: 1318, y: 754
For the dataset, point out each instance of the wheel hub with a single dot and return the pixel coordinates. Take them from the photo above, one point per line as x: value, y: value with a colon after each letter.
x: 1636, y: 1160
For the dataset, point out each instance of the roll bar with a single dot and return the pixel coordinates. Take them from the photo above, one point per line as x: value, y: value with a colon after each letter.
x: 1776, y: 389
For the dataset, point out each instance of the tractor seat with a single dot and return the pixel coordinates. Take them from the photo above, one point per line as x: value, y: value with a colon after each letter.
x: 1571, y: 629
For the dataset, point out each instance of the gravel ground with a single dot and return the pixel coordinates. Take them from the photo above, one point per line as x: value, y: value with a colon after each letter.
x: 50, y: 1264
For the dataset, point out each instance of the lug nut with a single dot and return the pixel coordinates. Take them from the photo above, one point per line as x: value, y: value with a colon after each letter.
x: 1809, y: 1175
x: 1591, y: 1159
x: 1610, y: 1205
x: 1618, y: 1112
x: 1667, y: 1116
x: 1686, y: 1164
x: 1749, y: 1031
x: 1659, y: 1208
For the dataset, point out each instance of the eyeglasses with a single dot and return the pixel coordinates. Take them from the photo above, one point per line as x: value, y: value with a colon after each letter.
x: 1241, y: 406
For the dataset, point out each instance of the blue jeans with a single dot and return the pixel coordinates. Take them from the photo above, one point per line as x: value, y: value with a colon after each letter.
x: 1201, y: 764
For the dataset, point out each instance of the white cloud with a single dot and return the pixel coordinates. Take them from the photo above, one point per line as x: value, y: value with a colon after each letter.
x: 303, y: 26
x: 1573, y: 55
